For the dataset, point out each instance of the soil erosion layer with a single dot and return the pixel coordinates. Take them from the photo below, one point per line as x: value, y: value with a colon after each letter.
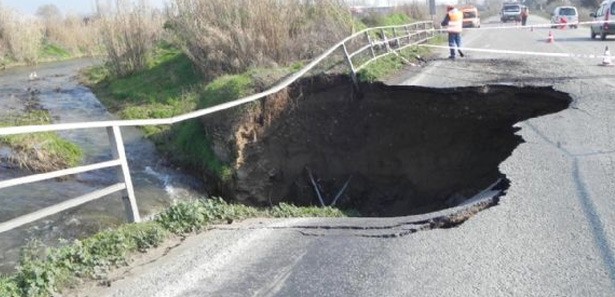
x: 398, y: 149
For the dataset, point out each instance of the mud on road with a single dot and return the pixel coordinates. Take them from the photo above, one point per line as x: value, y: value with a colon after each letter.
x: 387, y: 151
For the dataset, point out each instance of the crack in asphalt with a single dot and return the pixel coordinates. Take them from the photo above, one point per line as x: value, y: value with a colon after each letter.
x: 440, y: 222
x: 597, y: 226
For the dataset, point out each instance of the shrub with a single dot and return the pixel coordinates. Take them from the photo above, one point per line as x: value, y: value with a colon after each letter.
x: 128, y: 34
x: 222, y: 36
x: 21, y: 37
x: 414, y: 10
x: 78, y: 36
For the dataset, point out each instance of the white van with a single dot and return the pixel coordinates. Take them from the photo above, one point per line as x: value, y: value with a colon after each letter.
x: 565, y: 16
x: 602, y: 16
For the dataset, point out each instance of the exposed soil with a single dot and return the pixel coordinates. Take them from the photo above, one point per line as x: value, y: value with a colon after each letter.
x: 400, y: 149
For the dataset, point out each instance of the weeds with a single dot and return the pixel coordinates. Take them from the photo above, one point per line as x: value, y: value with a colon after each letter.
x: 284, y: 210
x: 44, y: 272
x: 9, y: 287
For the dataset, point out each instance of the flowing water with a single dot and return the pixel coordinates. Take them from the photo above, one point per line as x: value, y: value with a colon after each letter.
x: 56, y: 89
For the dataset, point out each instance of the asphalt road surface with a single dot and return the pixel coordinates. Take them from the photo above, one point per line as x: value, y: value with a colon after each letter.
x: 553, y: 234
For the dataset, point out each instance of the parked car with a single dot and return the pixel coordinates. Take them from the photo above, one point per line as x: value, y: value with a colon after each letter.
x: 511, y: 12
x: 567, y: 15
x: 470, y: 17
x: 604, y: 13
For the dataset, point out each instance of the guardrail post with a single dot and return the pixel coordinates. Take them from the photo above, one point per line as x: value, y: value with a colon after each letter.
x: 385, y: 41
x: 371, y: 44
x: 396, y: 38
x: 408, y: 33
x: 118, y: 152
x: 353, y: 72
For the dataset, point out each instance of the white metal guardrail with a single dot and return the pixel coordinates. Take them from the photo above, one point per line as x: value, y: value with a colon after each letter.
x: 380, y: 41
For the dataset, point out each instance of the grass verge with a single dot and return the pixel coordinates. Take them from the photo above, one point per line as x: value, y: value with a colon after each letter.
x: 53, y: 52
x: 170, y: 86
x: 45, y: 273
x: 39, y: 152
x: 391, y: 64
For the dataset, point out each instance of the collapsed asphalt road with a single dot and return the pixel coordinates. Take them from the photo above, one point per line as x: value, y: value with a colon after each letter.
x: 551, y: 235
x: 396, y: 150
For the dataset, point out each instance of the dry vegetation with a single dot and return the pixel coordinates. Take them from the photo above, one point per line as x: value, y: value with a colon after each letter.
x: 76, y: 35
x: 128, y: 34
x: 414, y: 10
x: 20, y: 37
x: 222, y: 36
x: 29, y: 40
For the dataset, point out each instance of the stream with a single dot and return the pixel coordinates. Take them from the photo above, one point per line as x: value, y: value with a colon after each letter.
x: 56, y: 89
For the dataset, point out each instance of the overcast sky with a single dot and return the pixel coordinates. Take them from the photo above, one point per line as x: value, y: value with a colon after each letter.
x: 87, y: 6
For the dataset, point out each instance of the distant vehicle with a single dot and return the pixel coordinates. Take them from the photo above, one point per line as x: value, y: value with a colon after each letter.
x: 470, y: 17
x: 511, y: 12
x: 603, y: 14
x: 566, y: 15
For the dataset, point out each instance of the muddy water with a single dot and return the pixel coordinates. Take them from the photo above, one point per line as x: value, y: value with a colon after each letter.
x: 56, y: 89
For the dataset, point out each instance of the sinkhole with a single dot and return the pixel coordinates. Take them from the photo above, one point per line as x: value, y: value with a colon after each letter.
x: 392, y: 151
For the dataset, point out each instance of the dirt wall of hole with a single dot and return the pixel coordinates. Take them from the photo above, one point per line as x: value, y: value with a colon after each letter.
x: 405, y: 149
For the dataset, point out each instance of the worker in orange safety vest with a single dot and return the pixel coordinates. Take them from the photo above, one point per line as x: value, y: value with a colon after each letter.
x: 453, y: 23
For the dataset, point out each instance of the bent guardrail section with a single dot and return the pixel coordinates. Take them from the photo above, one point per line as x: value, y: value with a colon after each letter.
x: 380, y: 41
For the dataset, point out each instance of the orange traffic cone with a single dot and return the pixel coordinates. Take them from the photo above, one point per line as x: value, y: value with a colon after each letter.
x: 606, y: 60
x: 550, y: 39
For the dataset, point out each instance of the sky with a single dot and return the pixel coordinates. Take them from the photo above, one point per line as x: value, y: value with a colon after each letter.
x: 87, y: 6
x: 65, y: 6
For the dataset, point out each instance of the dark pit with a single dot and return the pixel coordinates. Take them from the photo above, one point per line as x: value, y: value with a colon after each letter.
x: 399, y: 150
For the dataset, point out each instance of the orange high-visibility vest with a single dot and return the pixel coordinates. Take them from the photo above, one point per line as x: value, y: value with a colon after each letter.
x: 455, y: 19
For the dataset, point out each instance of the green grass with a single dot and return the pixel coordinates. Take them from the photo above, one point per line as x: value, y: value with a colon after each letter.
x: 46, y: 271
x: 165, y: 88
x: 168, y: 87
x: 54, y: 52
x: 388, y: 65
x: 226, y: 88
x: 190, y: 145
x: 168, y: 74
x: 45, y: 151
x: 395, y: 19
x: 378, y: 20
